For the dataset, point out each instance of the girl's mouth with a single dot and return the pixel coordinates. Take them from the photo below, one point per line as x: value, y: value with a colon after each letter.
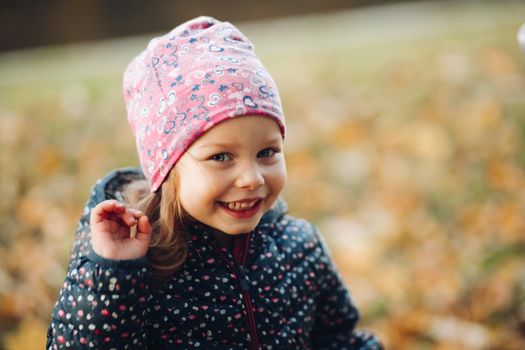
x: 241, y: 210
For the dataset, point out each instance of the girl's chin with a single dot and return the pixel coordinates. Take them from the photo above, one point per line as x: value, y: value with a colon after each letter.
x: 238, y: 232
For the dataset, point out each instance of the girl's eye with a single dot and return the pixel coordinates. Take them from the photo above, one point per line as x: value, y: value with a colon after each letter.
x: 220, y: 157
x: 266, y: 153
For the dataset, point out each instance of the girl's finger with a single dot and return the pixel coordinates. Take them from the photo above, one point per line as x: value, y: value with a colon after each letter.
x: 129, y: 218
x: 107, y: 208
x: 133, y: 221
x: 112, y: 206
x: 135, y: 212
x: 143, y: 227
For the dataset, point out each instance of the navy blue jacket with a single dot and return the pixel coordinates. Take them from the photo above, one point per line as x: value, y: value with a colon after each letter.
x: 283, y: 293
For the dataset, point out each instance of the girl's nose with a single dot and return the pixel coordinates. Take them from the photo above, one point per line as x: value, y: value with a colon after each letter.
x: 250, y: 177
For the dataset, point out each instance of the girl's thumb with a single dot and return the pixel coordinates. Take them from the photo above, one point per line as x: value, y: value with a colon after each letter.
x: 143, y: 228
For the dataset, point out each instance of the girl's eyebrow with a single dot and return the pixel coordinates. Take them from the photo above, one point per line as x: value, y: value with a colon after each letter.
x: 233, y: 144
x: 219, y: 145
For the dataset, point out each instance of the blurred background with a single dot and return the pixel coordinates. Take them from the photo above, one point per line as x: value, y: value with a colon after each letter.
x: 405, y: 146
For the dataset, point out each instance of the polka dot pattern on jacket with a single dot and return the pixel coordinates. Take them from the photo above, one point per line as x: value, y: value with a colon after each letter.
x: 284, y: 293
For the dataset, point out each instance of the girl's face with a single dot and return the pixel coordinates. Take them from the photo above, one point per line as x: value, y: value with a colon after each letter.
x: 233, y: 174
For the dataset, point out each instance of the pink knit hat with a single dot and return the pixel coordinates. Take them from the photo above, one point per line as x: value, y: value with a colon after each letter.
x: 185, y: 82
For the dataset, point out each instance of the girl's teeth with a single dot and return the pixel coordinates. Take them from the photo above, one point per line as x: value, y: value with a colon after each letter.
x: 240, y: 206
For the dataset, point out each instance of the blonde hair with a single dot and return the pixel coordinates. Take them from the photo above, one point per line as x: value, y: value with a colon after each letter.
x: 168, y: 248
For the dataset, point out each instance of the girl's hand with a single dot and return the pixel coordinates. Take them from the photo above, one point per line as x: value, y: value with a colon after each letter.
x: 119, y: 233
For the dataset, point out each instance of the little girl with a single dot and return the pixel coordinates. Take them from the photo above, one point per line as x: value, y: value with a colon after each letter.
x: 196, y: 250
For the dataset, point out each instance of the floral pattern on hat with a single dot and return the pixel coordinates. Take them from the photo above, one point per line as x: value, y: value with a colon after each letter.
x: 187, y: 81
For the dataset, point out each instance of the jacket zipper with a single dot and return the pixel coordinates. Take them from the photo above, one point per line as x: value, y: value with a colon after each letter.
x: 240, y: 273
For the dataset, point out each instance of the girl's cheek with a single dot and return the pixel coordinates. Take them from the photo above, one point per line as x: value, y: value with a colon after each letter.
x: 279, y: 170
x: 277, y: 180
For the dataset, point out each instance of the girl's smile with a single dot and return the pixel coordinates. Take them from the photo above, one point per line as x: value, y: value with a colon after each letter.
x: 233, y: 174
x: 242, y: 209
